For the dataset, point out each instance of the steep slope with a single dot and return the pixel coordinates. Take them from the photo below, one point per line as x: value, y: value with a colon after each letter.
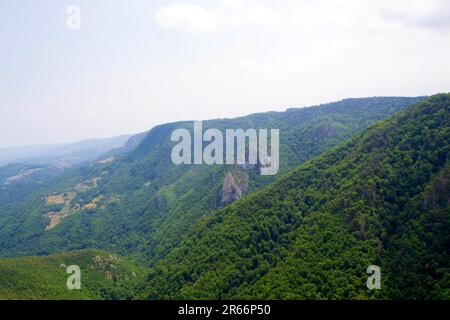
x: 382, y: 199
x: 141, y: 204
x: 103, y: 276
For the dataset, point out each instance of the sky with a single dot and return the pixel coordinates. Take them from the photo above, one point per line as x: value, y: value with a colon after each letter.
x: 135, y: 64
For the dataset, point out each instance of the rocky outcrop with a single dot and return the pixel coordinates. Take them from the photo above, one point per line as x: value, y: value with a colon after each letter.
x: 108, y: 264
x: 325, y: 131
x: 234, y: 187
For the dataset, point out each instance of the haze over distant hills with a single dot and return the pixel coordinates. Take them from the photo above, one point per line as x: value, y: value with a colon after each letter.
x: 62, y: 154
x: 26, y: 169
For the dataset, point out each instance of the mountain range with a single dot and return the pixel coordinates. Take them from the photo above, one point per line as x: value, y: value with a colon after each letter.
x: 362, y: 182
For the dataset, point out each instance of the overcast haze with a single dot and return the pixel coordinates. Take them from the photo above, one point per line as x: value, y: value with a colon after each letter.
x: 135, y: 64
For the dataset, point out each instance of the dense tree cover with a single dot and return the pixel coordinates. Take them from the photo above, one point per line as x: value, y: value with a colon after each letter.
x: 103, y: 276
x: 381, y: 198
x: 142, y: 205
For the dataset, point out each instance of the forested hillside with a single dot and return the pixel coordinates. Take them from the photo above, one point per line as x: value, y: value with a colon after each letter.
x: 381, y: 198
x: 140, y: 204
x: 103, y: 276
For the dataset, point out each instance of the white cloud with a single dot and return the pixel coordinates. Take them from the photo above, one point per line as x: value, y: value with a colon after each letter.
x: 187, y: 17
x: 225, y: 15
x: 419, y: 13
x: 262, y: 55
x: 248, y: 16
x: 320, y: 15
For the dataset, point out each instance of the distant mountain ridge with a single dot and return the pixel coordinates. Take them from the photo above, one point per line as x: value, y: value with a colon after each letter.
x: 64, y: 154
x: 37, y: 164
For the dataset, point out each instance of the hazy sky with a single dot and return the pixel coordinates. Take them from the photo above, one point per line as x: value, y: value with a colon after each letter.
x: 134, y: 64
